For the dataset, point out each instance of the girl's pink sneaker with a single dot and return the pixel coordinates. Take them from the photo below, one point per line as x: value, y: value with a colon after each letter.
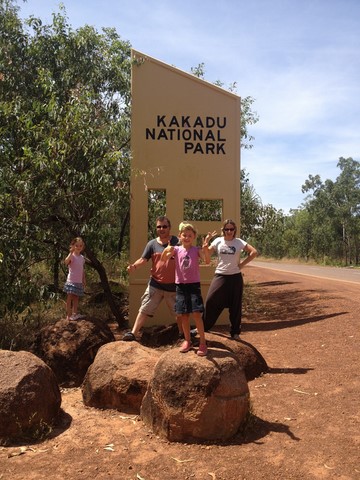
x: 202, y: 350
x: 185, y: 347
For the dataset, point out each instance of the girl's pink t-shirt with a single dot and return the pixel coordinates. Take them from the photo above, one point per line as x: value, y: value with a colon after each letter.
x: 76, y: 269
x: 187, y: 268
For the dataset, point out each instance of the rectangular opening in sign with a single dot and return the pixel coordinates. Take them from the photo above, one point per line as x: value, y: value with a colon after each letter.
x: 156, y: 208
x: 203, y: 210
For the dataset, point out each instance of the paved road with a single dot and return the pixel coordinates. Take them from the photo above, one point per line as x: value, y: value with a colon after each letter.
x: 350, y: 275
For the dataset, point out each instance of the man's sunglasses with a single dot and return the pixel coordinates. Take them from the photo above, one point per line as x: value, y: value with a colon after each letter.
x: 162, y: 226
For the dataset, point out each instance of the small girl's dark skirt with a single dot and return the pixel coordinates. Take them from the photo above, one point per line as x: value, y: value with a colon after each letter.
x: 74, y: 288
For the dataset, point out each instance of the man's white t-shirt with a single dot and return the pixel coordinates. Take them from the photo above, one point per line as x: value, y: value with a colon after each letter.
x: 228, y: 253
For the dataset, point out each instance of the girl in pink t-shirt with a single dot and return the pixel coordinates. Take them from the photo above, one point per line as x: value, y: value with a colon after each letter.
x: 187, y: 280
x: 75, y: 282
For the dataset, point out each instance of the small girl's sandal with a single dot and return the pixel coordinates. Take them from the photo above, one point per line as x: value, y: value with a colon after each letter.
x: 185, y: 347
x: 202, y: 350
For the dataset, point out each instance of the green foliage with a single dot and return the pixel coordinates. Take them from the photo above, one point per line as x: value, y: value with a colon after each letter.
x: 203, y: 210
x: 251, y: 207
x: 156, y: 208
x: 65, y: 129
x: 269, y: 236
x: 326, y: 229
x: 261, y: 225
x: 334, y: 212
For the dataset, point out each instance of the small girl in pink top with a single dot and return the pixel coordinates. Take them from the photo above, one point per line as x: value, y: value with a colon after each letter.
x: 187, y: 279
x: 75, y: 282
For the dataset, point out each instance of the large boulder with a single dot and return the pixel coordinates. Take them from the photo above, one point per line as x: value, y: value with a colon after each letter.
x: 191, y: 398
x: 70, y: 346
x: 119, y: 376
x: 249, y: 357
x: 30, y: 398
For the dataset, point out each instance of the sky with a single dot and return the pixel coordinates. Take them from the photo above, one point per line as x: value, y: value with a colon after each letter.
x: 298, y: 59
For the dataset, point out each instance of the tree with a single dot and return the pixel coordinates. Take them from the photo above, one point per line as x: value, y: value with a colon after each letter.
x: 269, y: 235
x: 65, y: 130
x: 251, y: 208
x: 335, y: 211
x: 346, y: 194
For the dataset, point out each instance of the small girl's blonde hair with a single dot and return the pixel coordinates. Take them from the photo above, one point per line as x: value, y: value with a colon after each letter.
x: 187, y: 226
x: 77, y: 239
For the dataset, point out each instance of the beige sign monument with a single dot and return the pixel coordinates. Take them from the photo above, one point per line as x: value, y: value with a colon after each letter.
x: 185, y: 144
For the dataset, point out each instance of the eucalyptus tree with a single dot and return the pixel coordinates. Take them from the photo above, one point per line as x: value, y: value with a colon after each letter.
x: 335, y: 210
x: 65, y: 130
x: 269, y: 236
x: 298, y: 234
x: 251, y: 209
x: 347, y: 198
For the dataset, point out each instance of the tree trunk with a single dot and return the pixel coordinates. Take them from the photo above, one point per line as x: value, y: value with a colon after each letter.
x: 56, y: 267
x: 122, y: 232
x: 97, y: 265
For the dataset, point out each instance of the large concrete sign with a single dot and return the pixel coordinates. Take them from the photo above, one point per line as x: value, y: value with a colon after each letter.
x: 185, y: 143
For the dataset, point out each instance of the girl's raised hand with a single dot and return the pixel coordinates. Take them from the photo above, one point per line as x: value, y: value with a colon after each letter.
x: 169, y: 251
x: 209, y: 236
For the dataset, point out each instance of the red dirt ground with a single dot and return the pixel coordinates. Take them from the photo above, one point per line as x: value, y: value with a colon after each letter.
x: 305, y: 411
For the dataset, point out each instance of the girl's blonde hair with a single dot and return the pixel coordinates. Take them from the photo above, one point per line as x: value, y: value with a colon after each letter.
x: 77, y: 239
x: 187, y: 226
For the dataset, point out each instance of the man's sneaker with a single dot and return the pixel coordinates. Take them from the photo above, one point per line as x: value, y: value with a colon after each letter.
x: 129, y: 337
x: 202, y: 350
x: 235, y: 336
x: 185, y: 347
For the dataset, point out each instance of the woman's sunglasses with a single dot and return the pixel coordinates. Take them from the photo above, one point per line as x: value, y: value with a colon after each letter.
x: 229, y: 229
